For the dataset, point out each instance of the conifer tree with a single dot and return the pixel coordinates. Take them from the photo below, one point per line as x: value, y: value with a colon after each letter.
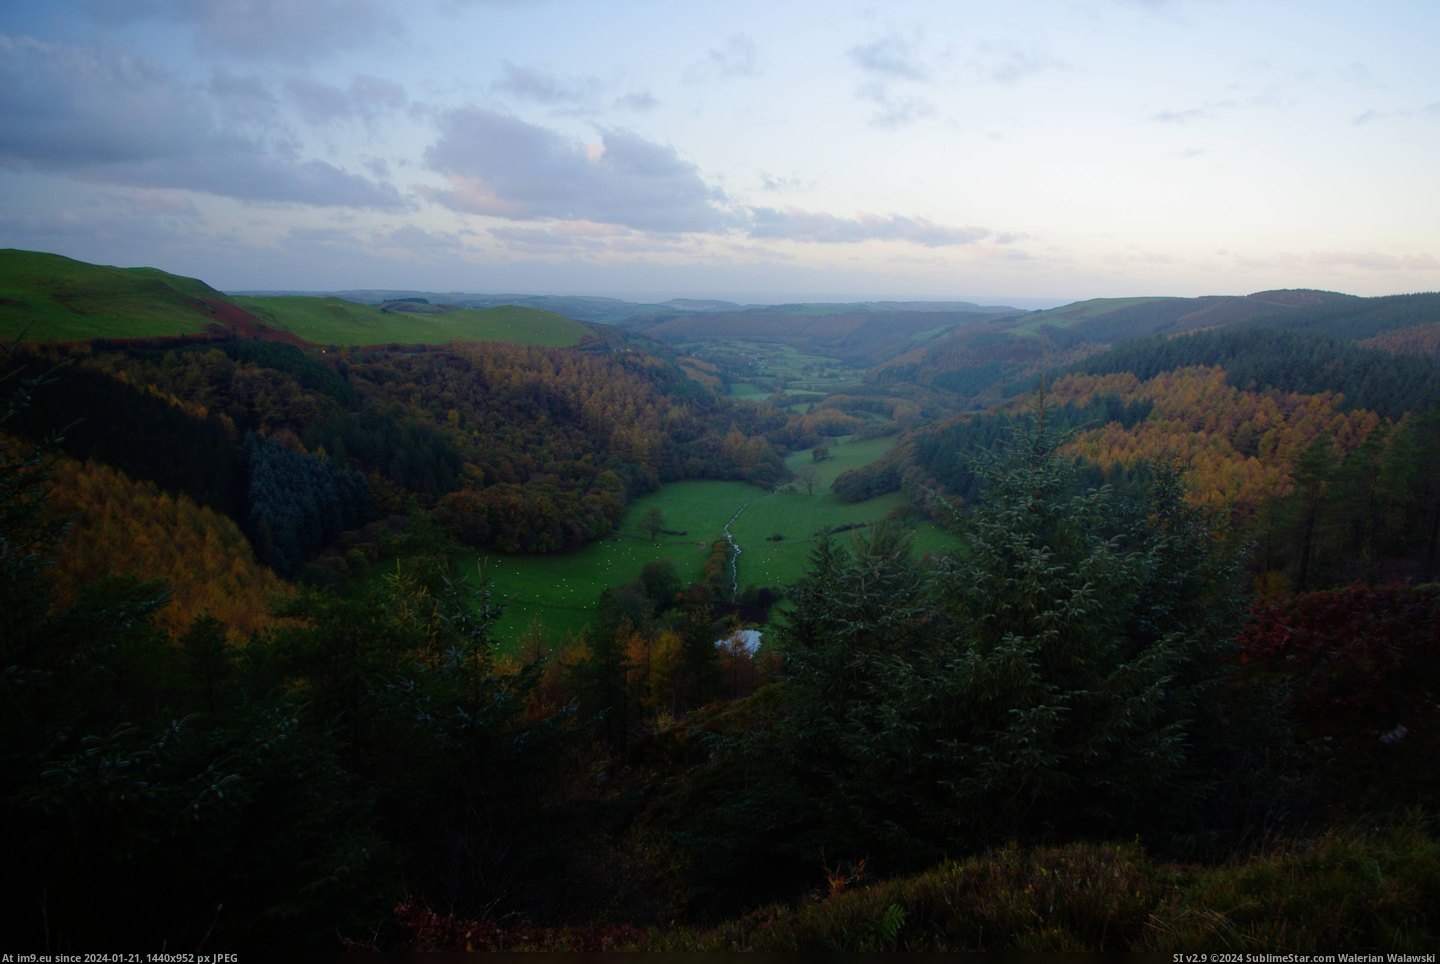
x: 1050, y: 678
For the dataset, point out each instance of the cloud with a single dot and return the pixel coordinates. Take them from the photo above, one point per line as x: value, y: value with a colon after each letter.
x: 310, y: 236
x: 531, y: 239
x: 265, y: 30
x: 246, y: 99
x: 1374, y: 261
x: 821, y: 228
x: 891, y: 56
x: 642, y: 101
x: 146, y: 202
x: 1336, y: 261
x: 1181, y: 116
x: 889, y: 60
x: 893, y: 111
x: 111, y: 228
x: 68, y: 106
x: 770, y: 182
x: 1019, y: 65
x: 501, y: 166
x: 247, y: 174
x: 532, y: 84
x: 118, y: 119
x: 1372, y: 115
x: 737, y: 58
x: 412, y: 238
x: 366, y: 98
x: 1189, y: 114
x: 570, y: 95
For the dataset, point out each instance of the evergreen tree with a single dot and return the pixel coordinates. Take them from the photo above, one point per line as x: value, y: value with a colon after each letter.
x: 1054, y: 677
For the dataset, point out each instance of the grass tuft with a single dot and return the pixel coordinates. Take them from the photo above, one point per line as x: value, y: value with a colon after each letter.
x: 1368, y: 890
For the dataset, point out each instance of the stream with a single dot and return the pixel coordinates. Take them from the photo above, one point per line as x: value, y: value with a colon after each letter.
x: 735, y: 551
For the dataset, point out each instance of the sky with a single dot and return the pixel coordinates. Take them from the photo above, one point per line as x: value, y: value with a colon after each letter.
x: 1024, y: 152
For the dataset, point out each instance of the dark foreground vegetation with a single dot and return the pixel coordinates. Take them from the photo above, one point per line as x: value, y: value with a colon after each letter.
x: 1178, y: 689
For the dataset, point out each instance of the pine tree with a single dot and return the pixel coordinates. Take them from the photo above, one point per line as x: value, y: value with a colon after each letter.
x: 1053, y: 677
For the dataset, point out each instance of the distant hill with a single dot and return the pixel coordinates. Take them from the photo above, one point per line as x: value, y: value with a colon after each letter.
x: 46, y: 297
x: 986, y: 364
x: 1113, y: 319
x: 335, y: 321
x: 856, y: 334
x: 860, y: 333
x: 50, y: 298
x: 625, y: 313
x: 579, y: 307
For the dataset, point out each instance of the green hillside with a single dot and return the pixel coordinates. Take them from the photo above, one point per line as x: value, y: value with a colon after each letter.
x: 334, y: 321
x: 46, y: 297
x: 1067, y: 315
x: 49, y: 298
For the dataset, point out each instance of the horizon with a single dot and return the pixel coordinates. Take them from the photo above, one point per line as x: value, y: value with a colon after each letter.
x: 660, y: 298
x: 1018, y: 302
x: 814, y: 152
x: 1024, y: 303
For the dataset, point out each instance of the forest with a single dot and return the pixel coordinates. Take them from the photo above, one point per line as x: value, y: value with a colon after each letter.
x: 1170, y: 682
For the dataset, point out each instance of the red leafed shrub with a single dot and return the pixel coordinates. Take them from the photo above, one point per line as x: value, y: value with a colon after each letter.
x: 1360, y: 668
x: 1356, y: 657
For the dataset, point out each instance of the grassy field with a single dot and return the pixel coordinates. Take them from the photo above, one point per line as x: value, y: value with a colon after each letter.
x: 1068, y: 315
x: 557, y: 593
x: 747, y: 390
x: 767, y: 362
x: 45, y: 297
x: 334, y: 321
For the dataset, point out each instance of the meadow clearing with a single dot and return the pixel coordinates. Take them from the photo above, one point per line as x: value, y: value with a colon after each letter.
x: 557, y: 593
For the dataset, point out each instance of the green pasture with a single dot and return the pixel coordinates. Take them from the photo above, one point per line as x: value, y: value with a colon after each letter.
x: 1068, y: 315
x: 765, y: 362
x: 46, y: 297
x: 557, y: 593
x: 846, y: 453
x: 335, y: 321
x: 747, y: 390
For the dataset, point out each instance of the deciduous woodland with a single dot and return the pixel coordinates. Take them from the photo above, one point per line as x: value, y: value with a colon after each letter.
x: 1135, y: 645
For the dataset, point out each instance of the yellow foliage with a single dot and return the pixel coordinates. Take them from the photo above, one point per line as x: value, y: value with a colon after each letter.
x: 121, y: 526
x: 1238, y: 447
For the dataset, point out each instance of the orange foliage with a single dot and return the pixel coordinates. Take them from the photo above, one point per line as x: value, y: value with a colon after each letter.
x: 120, y: 526
x: 653, y: 674
x: 1422, y: 340
x: 1238, y: 447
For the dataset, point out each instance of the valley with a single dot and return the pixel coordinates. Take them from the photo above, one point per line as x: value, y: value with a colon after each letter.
x: 426, y: 589
x: 557, y: 594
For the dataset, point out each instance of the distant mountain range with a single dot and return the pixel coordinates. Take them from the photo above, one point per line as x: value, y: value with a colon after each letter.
x: 616, y: 311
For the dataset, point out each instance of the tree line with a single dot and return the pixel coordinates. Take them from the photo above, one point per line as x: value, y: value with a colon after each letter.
x: 372, y: 751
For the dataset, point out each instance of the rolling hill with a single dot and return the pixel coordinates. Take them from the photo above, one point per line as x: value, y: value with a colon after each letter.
x: 50, y: 298
x: 334, y: 321
x: 46, y: 297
